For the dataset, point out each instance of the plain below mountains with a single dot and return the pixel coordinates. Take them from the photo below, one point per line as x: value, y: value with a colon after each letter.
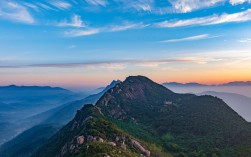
x: 139, y: 117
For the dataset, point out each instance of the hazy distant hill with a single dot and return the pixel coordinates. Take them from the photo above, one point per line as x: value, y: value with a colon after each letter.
x: 139, y: 116
x: 243, y: 89
x: 241, y: 104
x: 64, y: 113
x: 32, y: 93
x: 237, y: 83
x: 194, y: 84
x: 19, y: 102
x: 191, y: 84
x: 58, y: 116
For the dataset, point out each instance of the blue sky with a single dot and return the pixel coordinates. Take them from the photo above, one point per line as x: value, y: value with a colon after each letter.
x: 83, y: 43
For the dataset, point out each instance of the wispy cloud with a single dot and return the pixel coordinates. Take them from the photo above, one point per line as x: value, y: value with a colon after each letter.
x: 115, y: 63
x: 44, y: 6
x: 97, y: 2
x: 141, y: 5
x: 245, y: 40
x: 15, y: 12
x: 175, y: 6
x: 191, y: 38
x: 61, y: 5
x: 80, y: 32
x: 75, y: 21
x: 124, y: 27
x: 111, y: 28
x: 32, y: 6
x: 209, y: 20
x: 185, y: 6
x: 236, y: 2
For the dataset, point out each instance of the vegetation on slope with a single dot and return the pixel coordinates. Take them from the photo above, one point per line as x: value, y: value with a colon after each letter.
x: 162, y: 122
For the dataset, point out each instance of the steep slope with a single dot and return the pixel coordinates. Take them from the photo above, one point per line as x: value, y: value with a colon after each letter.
x: 88, y: 134
x: 163, y: 122
x: 65, y: 113
x: 241, y: 104
x: 196, y: 123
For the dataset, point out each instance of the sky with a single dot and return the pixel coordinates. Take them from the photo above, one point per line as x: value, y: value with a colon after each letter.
x: 89, y: 43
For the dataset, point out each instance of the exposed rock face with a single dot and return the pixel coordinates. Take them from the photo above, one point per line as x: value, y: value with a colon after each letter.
x: 64, y: 150
x: 123, y: 146
x: 137, y: 145
x: 100, y: 140
x: 111, y: 143
x: 80, y: 140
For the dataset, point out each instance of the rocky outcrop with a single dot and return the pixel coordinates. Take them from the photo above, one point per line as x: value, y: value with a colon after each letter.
x: 138, y: 146
x: 112, y: 143
x: 80, y: 140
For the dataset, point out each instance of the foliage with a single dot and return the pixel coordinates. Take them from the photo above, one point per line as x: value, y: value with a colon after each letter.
x: 188, y: 125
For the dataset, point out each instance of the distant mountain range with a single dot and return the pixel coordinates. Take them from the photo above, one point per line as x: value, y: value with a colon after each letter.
x: 46, y: 124
x: 138, y: 117
x: 20, y: 102
x: 194, y: 84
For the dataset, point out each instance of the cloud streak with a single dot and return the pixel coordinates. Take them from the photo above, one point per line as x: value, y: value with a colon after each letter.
x: 191, y: 38
x: 76, y: 21
x: 140, y: 62
x: 245, y: 41
x: 236, y: 2
x: 209, y: 20
x: 112, y: 28
x: 97, y: 2
x: 184, y: 6
x: 61, y: 5
x: 79, y: 33
x: 15, y: 12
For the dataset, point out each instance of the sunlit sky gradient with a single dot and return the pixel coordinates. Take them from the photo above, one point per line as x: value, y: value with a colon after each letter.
x: 88, y: 43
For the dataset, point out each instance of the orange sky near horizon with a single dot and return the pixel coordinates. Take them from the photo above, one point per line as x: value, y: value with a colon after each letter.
x: 93, y: 78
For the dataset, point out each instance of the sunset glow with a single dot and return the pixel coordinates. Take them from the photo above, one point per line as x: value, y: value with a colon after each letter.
x: 74, y: 46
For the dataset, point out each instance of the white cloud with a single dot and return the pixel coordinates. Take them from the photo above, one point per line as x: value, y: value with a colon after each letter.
x: 15, y: 12
x: 184, y: 6
x: 177, y: 6
x: 61, y: 5
x: 191, y: 38
x: 112, y: 28
x: 245, y: 40
x: 44, y: 6
x: 209, y: 20
x: 142, y: 5
x: 119, y: 64
x: 236, y: 2
x: 79, y: 33
x: 32, y: 6
x: 76, y: 21
x: 97, y: 2
x: 124, y: 27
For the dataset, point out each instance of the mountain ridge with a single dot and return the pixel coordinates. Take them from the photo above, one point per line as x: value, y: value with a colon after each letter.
x: 177, y: 124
